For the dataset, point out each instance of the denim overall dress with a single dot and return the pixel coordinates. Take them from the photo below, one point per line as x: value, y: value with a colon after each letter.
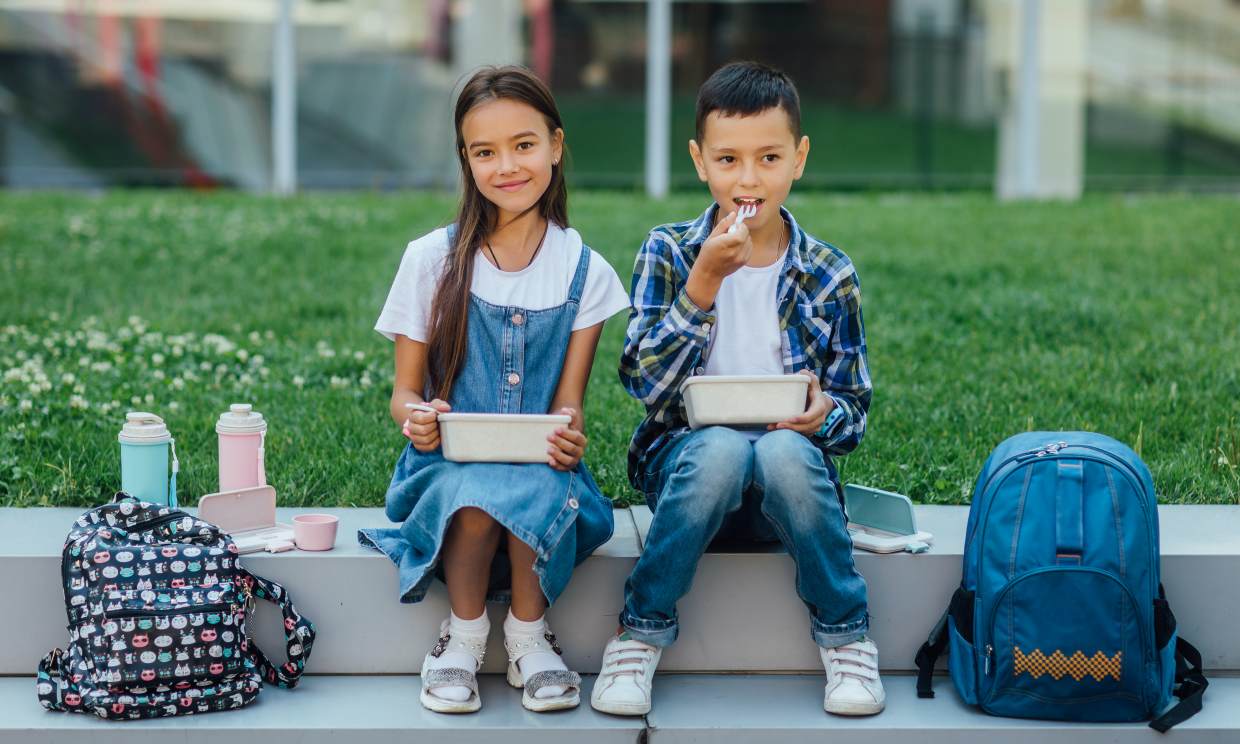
x: 512, y: 365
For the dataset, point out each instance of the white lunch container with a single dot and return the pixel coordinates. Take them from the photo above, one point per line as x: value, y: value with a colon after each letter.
x: 498, y: 437
x: 743, y: 400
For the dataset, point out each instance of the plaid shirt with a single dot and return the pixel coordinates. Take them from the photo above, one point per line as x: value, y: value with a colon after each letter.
x: 668, y: 337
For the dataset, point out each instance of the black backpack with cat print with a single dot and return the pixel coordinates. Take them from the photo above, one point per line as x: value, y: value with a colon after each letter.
x: 157, y: 605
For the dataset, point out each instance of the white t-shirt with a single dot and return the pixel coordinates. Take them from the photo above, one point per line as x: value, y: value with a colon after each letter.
x: 543, y: 284
x: 746, y: 339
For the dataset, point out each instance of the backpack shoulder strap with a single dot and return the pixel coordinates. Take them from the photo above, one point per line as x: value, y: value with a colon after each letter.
x: 1190, y: 683
x: 50, y: 674
x: 298, y: 634
x: 959, y: 609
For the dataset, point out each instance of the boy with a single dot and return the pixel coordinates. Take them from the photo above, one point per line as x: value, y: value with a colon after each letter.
x: 765, y: 298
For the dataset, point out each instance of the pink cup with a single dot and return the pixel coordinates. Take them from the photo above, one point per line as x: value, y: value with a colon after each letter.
x: 315, y: 531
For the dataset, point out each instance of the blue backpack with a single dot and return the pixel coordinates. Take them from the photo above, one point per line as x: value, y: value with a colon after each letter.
x: 1060, y: 614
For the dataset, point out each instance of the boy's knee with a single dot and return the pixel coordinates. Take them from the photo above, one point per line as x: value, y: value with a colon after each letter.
x: 785, y: 452
x: 719, y: 454
x: 473, y: 523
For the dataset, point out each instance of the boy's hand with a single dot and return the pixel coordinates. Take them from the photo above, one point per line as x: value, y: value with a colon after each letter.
x: 422, y: 427
x: 723, y: 252
x: 568, y: 443
x: 817, y: 406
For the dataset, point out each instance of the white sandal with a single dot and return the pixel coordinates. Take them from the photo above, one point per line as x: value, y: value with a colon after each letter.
x: 518, y: 646
x: 433, y: 679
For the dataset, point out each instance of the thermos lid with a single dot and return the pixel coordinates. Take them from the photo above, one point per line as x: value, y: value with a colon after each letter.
x: 143, y: 428
x: 241, y: 419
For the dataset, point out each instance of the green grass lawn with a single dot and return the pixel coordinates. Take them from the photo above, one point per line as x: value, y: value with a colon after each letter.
x: 1116, y: 314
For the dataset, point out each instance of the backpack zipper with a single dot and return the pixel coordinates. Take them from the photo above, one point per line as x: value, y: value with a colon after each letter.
x: 154, y: 612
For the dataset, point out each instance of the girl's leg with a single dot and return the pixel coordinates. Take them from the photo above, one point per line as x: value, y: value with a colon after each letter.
x: 525, y: 629
x: 471, y: 542
x: 528, y: 602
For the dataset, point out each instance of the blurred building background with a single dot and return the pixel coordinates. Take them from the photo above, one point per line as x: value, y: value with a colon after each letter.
x: 908, y: 94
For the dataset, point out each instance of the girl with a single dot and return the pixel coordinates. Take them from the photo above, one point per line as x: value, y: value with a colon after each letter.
x: 499, y: 313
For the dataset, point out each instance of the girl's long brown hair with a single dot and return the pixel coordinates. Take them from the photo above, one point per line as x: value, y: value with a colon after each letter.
x: 476, y: 220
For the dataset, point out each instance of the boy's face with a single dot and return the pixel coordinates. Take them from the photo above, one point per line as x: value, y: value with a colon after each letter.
x: 750, y: 160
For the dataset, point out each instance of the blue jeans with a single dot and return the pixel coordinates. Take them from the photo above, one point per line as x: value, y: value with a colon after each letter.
x: 715, y: 482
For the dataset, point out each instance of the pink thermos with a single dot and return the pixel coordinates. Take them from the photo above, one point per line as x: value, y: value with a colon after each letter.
x: 243, y: 433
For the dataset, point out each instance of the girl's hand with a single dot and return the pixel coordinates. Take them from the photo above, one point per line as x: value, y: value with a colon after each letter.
x: 568, y: 443
x: 817, y: 406
x: 422, y: 427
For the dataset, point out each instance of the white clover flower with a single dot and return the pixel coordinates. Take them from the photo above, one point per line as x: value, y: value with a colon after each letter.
x: 149, y: 398
x: 135, y: 320
x: 136, y: 400
x: 359, y: 355
x: 263, y: 372
x: 365, y: 381
x: 25, y: 405
x: 205, y: 366
x: 178, y: 383
x: 178, y: 350
x: 339, y: 382
x: 67, y: 378
x: 84, y: 361
x: 70, y: 342
x: 257, y: 360
x: 158, y: 374
x: 157, y: 359
x: 13, y: 374
x: 299, y: 381
x: 101, y: 366
x: 35, y: 388
x: 79, y: 389
x: 255, y: 337
x: 326, y: 353
x: 242, y: 355
x: 245, y: 379
x: 78, y: 401
x: 173, y: 406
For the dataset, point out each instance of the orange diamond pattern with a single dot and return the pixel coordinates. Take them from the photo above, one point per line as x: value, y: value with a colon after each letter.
x: 1077, y: 666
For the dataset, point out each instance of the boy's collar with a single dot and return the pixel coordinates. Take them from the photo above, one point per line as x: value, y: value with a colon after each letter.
x: 700, y: 230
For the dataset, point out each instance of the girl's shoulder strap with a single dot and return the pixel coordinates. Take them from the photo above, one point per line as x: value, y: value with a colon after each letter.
x: 579, y: 278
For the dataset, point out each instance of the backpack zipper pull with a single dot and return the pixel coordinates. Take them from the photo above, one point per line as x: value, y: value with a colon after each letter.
x: 990, y: 650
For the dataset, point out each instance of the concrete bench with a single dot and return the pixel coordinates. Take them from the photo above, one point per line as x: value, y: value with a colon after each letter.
x: 361, y: 684
x: 350, y: 593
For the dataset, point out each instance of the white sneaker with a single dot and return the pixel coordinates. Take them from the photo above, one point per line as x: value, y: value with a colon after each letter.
x: 853, y: 686
x: 623, y: 684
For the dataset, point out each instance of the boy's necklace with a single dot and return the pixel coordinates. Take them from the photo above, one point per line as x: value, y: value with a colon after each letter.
x: 532, y: 255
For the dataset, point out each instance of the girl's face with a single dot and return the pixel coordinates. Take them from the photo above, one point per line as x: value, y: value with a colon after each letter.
x: 510, y: 153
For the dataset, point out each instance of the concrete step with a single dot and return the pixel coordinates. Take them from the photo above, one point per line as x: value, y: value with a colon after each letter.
x: 742, y: 708
x: 324, y: 708
x: 687, y: 708
x: 350, y: 593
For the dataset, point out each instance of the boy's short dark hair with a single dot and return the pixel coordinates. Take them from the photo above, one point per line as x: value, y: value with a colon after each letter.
x: 745, y: 89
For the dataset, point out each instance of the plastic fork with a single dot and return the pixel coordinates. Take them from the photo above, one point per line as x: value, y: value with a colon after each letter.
x: 745, y: 212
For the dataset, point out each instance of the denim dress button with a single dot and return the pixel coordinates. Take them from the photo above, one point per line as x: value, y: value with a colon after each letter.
x: 572, y: 503
x: 518, y: 319
x: 513, y: 378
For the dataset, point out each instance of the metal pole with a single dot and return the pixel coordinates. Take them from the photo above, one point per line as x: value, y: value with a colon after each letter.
x: 658, y: 95
x: 1028, y: 101
x: 284, y: 101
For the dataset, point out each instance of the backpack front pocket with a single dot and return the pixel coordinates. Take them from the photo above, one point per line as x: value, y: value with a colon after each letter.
x: 1066, y: 642
x: 165, y: 642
